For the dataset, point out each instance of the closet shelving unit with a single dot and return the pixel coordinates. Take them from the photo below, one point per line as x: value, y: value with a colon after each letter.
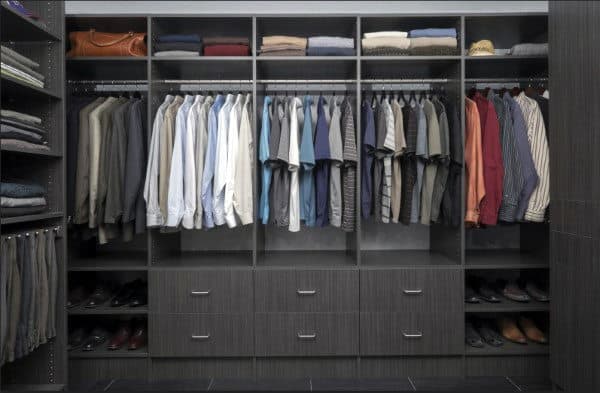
x: 46, y: 367
x: 253, y: 312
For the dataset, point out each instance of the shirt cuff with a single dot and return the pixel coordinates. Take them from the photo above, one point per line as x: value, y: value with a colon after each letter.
x: 535, y: 215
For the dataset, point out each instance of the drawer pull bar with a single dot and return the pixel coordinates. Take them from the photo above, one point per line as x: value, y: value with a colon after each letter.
x: 415, y: 335
x: 412, y: 291
x: 301, y: 292
x: 307, y: 336
x: 201, y: 337
x: 201, y: 293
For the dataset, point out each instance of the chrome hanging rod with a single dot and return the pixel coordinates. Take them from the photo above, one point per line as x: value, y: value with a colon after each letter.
x: 500, y: 80
x: 304, y: 81
x: 108, y: 81
x: 399, y: 81
x: 204, y: 81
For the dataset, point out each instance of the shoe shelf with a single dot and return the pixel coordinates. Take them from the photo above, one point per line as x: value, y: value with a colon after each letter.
x: 503, y: 259
x: 106, y: 353
x: 16, y: 27
x: 509, y: 349
x: 121, y: 261
x: 106, y: 309
x: 507, y: 306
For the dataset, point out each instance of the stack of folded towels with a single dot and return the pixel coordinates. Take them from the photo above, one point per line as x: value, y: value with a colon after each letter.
x: 19, y: 130
x: 226, y: 46
x: 434, y: 41
x: 529, y: 49
x: 282, y: 45
x: 330, y: 46
x: 174, y: 45
x: 19, y: 67
x: 386, y: 43
x: 19, y: 199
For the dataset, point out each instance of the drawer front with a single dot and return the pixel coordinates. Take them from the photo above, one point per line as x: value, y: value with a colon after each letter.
x: 193, y: 291
x: 201, y: 335
x: 416, y: 290
x: 307, y: 291
x: 411, y: 334
x: 307, y: 334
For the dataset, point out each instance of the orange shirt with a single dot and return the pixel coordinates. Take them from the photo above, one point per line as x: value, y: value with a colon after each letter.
x: 474, y: 162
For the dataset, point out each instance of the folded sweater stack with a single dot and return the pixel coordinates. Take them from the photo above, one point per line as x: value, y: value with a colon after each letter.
x: 330, y: 46
x: 226, y: 46
x: 17, y: 199
x: 174, y: 45
x: 20, y: 130
x: 385, y: 43
x: 433, y: 41
x: 281, y: 45
x: 19, y: 67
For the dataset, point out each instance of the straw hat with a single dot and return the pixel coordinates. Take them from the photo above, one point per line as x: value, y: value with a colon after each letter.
x: 482, y: 48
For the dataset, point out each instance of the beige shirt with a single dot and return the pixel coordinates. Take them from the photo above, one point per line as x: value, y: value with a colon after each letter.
x: 167, y: 132
x: 244, y: 168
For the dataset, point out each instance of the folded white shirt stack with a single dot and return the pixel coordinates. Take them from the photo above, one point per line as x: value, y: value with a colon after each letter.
x: 386, y: 39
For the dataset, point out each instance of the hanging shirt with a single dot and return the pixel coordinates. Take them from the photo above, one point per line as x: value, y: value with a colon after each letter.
x: 538, y: 142
x: 209, y: 162
x: 263, y: 156
x: 390, y: 146
x: 189, y: 164
x: 176, y: 178
x: 349, y: 168
x: 167, y: 133
x: 220, y: 178
x: 409, y: 167
x: 422, y: 155
x: 368, y: 151
x: 335, y: 173
x: 399, y: 147
x: 235, y: 117
x: 200, y: 145
x: 474, y: 162
x: 307, y: 163
x: 294, y: 166
x: 322, y: 157
x: 243, y: 193
x: 493, y: 171
x: 134, y: 208
x: 434, y: 147
x: 280, y: 185
x: 153, y: 214
x: 441, y: 176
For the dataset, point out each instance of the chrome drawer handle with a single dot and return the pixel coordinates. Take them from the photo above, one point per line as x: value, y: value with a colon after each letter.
x: 415, y: 335
x: 307, y: 336
x: 201, y: 293
x: 311, y: 292
x: 201, y: 337
x: 412, y: 291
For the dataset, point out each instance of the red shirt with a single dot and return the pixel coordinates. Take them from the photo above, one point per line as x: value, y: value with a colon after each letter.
x: 493, y: 169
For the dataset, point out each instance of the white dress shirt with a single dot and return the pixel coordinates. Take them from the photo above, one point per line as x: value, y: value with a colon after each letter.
x: 235, y: 115
x: 243, y: 189
x: 220, y: 178
x: 200, y: 152
x: 189, y: 164
x: 294, y: 166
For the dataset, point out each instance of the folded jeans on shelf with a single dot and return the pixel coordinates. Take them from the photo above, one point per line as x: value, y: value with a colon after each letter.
x: 433, y: 32
x: 22, y: 202
x: 23, y: 126
x: 329, y: 51
x: 176, y: 53
x: 226, y: 50
x: 20, y: 211
x: 178, y: 38
x: 325, y: 41
x: 226, y: 41
x: 19, y: 57
x: 21, y: 190
x: 10, y: 132
x: 187, y: 46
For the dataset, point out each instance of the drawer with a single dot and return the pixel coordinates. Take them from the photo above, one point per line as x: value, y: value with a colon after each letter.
x: 201, y: 335
x: 411, y: 290
x: 306, y: 334
x: 194, y: 291
x: 307, y: 291
x: 411, y: 333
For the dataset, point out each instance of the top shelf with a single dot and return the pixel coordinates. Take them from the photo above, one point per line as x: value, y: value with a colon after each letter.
x: 16, y: 27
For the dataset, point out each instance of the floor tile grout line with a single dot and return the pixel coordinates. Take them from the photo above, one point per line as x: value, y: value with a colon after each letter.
x: 210, y: 384
x: 412, y: 384
x: 107, y: 387
x: 513, y: 383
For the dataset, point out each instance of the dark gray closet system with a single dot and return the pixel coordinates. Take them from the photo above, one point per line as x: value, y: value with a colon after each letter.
x: 386, y: 300
x: 40, y: 40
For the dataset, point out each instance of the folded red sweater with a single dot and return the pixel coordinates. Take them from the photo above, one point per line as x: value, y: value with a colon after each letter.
x: 226, y: 50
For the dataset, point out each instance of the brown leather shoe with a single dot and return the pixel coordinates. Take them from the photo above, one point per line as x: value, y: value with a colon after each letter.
x: 138, y: 339
x: 531, y: 331
x: 510, y: 331
x: 120, y: 338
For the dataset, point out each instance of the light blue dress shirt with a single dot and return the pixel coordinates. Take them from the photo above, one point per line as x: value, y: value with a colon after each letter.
x: 209, y: 162
x: 263, y: 156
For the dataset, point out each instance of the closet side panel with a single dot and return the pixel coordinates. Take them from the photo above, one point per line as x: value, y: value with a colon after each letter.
x: 575, y: 271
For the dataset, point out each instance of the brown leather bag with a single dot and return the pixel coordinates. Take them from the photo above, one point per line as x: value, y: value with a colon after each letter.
x: 93, y: 43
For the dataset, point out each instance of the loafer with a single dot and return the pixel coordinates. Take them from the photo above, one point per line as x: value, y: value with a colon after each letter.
x: 473, y: 338
x: 139, y: 296
x: 76, y: 339
x: 510, y: 331
x: 512, y: 291
x: 139, y: 338
x: 123, y: 296
x: 489, y: 335
x: 97, y: 337
x: 536, y: 292
x: 120, y: 338
x: 532, y: 332
x: 99, y: 297
x: 77, y: 296
x: 487, y: 293
x: 471, y: 295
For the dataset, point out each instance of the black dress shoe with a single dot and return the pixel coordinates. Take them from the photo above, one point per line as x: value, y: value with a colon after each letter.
x: 489, y: 334
x: 472, y: 337
x: 139, y: 297
x: 123, y: 297
x: 99, y: 297
x: 471, y: 295
x: 96, y: 338
x: 487, y: 293
x: 76, y: 296
x: 76, y: 339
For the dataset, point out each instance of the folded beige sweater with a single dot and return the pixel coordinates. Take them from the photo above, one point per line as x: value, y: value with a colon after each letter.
x: 421, y: 42
x: 388, y: 42
x: 284, y: 40
x: 273, y: 48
